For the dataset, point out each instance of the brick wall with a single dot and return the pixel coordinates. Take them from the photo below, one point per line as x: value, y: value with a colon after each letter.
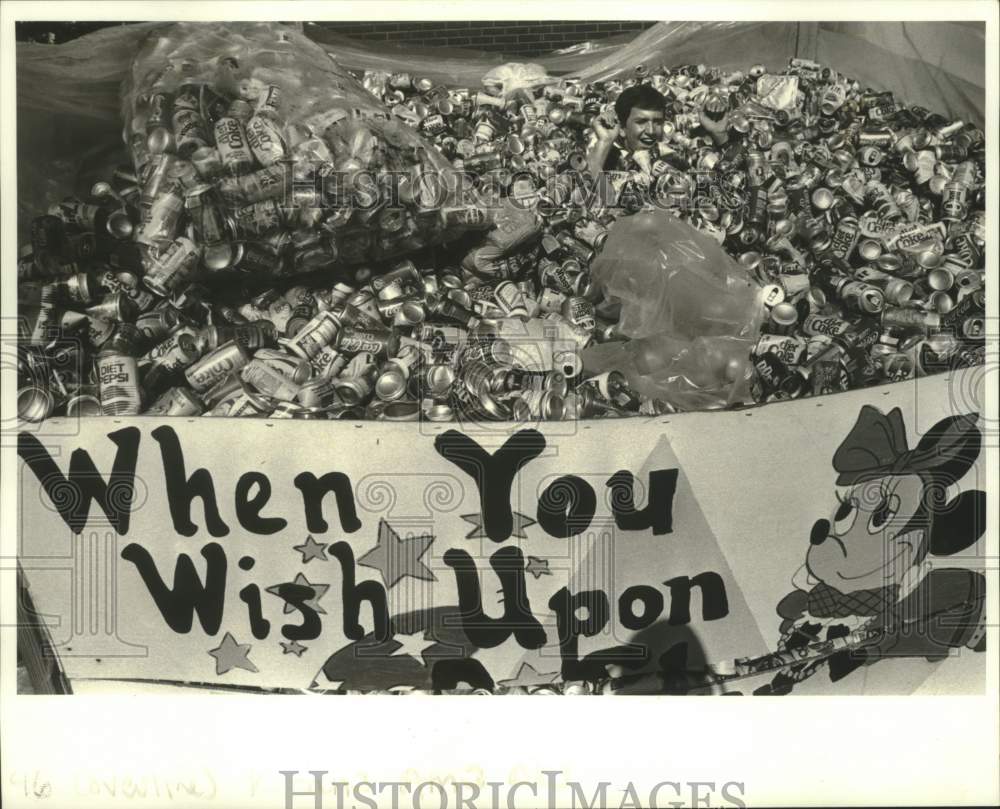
x: 516, y: 38
x: 523, y: 38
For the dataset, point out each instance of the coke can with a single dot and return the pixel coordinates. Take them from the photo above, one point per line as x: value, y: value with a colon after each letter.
x: 231, y: 139
x: 189, y: 131
x: 356, y: 340
x: 954, y: 207
x: 328, y: 362
x: 270, y: 182
x: 161, y: 220
x: 270, y: 381
x: 315, y: 335
x: 897, y: 291
x: 258, y: 218
x: 208, y: 223
x: 861, y: 297
x: 156, y: 326
x: 177, y: 351
x: 356, y: 381
x: 177, y: 401
x: 174, y: 268
x: 510, y: 299
x: 265, y: 140
x: 911, y: 320
x: 157, y: 177
x: 75, y: 213
x: 403, y: 281
x: 217, y: 365
x: 845, y: 237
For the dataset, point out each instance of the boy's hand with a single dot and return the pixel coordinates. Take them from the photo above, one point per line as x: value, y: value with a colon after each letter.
x: 714, y: 117
x: 605, y: 132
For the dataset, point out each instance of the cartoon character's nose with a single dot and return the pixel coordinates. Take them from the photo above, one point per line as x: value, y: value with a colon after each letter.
x: 820, y: 531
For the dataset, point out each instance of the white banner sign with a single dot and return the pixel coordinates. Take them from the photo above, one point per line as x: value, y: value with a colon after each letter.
x: 824, y: 546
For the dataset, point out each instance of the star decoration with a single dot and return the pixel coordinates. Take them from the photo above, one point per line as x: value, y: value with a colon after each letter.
x: 232, y: 655
x: 311, y: 549
x: 413, y: 645
x: 538, y: 567
x: 527, y: 676
x: 521, y: 521
x: 319, y: 590
x: 293, y: 648
x: 395, y: 558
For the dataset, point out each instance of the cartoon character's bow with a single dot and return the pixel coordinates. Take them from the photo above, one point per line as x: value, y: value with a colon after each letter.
x: 876, y: 446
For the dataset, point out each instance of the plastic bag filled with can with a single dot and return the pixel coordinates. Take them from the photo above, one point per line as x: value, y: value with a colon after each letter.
x: 262, y: 128
x: 690, y: 311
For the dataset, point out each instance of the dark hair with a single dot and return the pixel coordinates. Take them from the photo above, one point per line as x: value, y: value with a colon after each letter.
x: 643, y: 96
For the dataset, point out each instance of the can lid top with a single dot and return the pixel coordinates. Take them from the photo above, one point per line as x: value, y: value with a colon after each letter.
x: 492, y: 406
x: 773, y: 294
x: 929, y: 259
x: 160, y: 140
x: 119, y: 225
x: 869, y: 249
x: 822, y: 198
x: 351, y: 390
x: 438, y: 411
x: 34, y: 403
x: 941, y: 302
x: 401, y: 411
x: 940, y: 279
x: 784, y: 314
x: 390, y: 385
x: 552, y: 406
x: 872, y: 300
x: 84, y: 404
x: 410, y: 314
x: 222, y: 255
x: 936, y: 184
x: 569, y: 363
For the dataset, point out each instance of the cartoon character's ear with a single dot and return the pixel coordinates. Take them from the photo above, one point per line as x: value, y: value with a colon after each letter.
x: 958, y: 441
x: 959, y: 524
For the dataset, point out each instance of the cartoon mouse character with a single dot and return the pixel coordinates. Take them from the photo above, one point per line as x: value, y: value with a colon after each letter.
x: 869, y: 565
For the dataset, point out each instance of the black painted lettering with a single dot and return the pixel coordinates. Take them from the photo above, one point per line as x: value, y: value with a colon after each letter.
x: 248, y: 509
x: 315, y: 489
x: 659, y: 511
x: 71, y: 494
x: 566, y: 507
x: 250, y: 595
x: 298, y: 595
x: 714, y: 602
x: 181, y: 490
x: 493, y: 474
x: 353, y: 594
x: 652, y: 606
x: 188, y: 595
x: 517, y: 620
x: 571, y: 626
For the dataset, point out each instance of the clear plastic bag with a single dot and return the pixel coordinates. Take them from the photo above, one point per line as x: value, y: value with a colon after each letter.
x: 68, y: 96
x: 514, y: 76
x: 312, y: 145
x: 690, y: 312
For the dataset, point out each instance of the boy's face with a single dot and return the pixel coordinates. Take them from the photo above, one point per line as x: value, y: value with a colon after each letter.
x: 643, y: 129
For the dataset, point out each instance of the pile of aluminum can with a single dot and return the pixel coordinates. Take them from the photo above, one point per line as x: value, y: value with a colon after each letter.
x: 183, y: 286
x: 564, y: 688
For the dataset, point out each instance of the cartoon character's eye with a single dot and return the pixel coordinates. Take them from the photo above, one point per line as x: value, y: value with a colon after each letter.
x: 887, y: 508
x: 846, y: 514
